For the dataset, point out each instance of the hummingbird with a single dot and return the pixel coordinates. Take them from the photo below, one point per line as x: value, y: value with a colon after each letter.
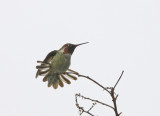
x: 55, y: 65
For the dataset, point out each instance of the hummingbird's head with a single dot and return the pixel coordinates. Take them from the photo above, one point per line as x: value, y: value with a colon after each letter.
x: 69, y: 48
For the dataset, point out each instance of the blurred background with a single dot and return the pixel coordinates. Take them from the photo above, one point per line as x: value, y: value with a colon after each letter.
x: 122, y: 35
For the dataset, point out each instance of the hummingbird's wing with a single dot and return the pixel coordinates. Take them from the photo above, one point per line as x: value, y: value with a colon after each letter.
x: 50, y: 56
x: 45, y: 63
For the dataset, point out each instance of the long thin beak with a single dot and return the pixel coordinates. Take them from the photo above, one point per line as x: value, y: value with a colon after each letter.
x: 81, y: 44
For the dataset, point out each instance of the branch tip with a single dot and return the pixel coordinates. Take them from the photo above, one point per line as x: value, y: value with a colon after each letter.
x: 118, y: 80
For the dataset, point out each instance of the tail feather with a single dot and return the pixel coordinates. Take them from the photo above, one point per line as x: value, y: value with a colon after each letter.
x: 71, y: 77
x: 42, y: 72
x: 37, y: 73
x: 65, y: 79
x: 50, y: 80
x: 45, y: 78
x: 42, y: 67
x: 73, y: 71
x: 55, y: 85
x: 61, y: 83
x: 49, y: 84
x: 42, y: 62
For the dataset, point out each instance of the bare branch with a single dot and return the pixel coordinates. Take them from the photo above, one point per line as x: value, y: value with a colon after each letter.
x: 110, y: 90
x: 87, y: 77
x: 94, y: 101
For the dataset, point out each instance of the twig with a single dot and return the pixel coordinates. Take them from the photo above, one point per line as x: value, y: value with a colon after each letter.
x: 94, y: 101
x: 81, y: 109
x: 92, y: 106
x: 118, y: 80
x: 120, y: 113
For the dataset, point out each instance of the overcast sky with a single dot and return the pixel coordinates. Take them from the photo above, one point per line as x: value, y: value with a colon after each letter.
x: 123, y: 35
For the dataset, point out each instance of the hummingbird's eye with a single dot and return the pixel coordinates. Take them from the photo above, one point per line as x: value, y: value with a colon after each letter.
x: 67, y: 45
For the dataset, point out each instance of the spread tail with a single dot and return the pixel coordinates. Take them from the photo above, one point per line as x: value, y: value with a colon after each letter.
x: 54, y: 79
x: 58, y: 79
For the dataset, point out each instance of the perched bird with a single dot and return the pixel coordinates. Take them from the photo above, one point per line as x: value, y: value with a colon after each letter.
x: 55, y: 65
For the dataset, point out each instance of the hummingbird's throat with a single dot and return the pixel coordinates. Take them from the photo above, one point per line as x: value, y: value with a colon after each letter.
x: 65, y: 51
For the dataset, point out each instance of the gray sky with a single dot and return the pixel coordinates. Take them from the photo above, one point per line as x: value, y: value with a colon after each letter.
x: 123, y: 35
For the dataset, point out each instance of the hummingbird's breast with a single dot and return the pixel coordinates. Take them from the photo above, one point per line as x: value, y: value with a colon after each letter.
x: 60, y: 62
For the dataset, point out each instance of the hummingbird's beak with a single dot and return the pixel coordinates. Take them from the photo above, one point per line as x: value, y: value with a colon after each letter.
x: 81, y: 44
x: 73, y: 46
